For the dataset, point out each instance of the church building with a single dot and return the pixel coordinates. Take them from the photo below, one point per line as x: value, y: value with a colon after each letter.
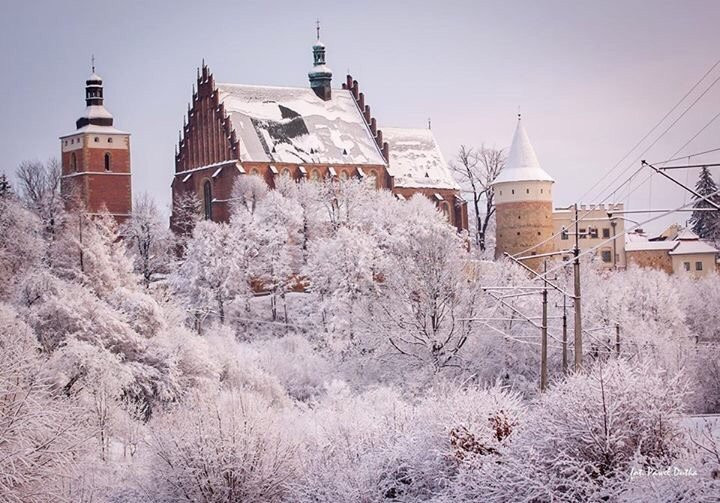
x: 95, y: 159
x: 312, y: 133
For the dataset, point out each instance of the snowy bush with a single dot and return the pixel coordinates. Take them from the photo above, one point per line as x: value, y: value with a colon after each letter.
x: 583, y: 437
x: 219, y: 448
x: 42, y: 435
x: 379, y: 446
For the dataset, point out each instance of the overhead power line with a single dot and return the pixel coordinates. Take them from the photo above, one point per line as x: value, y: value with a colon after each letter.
x: 656, y: 126
x: 654, y: 142
x: 617, y: 236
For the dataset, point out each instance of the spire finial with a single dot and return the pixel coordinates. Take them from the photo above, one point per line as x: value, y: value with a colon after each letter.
x: 92, y: 62
x: 317, y: 28
x: 429, y: 123
x: 519, y: 114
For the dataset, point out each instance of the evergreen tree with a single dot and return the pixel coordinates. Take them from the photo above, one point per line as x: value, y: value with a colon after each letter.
x: 5, y: 188
x: 706, y: 224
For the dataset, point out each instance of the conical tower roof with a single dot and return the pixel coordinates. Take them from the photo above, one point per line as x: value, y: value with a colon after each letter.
x: 522, y: 164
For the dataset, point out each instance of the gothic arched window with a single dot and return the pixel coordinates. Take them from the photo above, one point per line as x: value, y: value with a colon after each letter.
x: 73, y: 162
x: 107, y: 161
x: 207, y: 200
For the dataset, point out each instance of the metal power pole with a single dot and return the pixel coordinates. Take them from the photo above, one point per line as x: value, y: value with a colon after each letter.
x: 544, y: 335
x: 617, y: 338
x: 578, y: 313
x: 564, y: 335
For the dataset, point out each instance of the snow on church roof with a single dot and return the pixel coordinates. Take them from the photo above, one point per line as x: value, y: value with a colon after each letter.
x: 293, y: 125
x: 416, y: 160
x: 522, y: 164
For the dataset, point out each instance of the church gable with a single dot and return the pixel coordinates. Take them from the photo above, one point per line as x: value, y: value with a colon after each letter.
x: 207, y: 137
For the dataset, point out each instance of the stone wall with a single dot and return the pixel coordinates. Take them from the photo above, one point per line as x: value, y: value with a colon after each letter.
x: 522, y: 225
x: 655, y: 259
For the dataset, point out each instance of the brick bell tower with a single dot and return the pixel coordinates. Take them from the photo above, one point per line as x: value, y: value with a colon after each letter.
x: 96, y: 159
x: 523, y: 202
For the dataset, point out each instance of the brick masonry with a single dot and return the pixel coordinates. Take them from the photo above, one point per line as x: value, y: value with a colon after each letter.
x: 86, y: 179
x: 521, y: 225
x: 208, y: 142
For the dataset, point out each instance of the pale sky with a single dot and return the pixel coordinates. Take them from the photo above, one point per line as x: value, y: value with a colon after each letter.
x: 590, y: 78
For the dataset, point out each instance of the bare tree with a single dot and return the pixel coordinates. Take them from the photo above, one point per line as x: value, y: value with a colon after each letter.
x: 478, y: 169
x: 149, y: 239
x: 40, y: 189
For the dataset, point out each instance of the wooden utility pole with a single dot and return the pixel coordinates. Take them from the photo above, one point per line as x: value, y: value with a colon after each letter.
x: 564, y: 335
x: 617, y: 339
x: 578, y: 313
x: 544, y: 335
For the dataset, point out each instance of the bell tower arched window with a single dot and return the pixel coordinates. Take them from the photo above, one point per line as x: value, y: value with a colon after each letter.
x: 107, y: 161
x: 73, y: 162
x: 207, y: 200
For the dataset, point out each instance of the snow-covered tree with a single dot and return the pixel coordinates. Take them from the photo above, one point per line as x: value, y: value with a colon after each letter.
x: 21, y: 244
x: 149, y: 239
x: 247, y: 192
x: 427, y: 300
x: 343, y: 271
x: 207, y: 277
x: 706, y: 224
x: 42, y: 435
x: 5, y: 187
x: 477, y: 170
x: 186, y: 213
x: 277, y: 224
x: 307, y: 195
x: 40, y: 189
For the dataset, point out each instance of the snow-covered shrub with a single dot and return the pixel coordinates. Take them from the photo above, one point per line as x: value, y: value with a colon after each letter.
x: 302, y: 371
x: 377, y: 446
x: 219, y: 448
x: 581, y: 440
x: 42, y: 435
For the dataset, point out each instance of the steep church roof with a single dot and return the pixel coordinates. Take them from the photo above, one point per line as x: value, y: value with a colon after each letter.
x: 294, y: 125
x: 416, y: 160
x: 522, y: 164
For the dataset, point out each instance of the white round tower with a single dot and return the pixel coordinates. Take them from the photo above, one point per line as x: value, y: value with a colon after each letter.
x: 523, y: 202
